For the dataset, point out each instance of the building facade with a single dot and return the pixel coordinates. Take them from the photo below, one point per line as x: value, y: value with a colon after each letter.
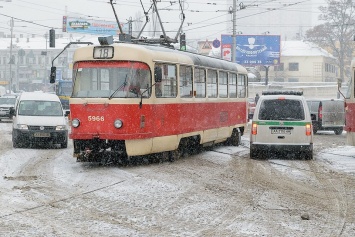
x: 302, y: 62
x: 299, y: 62
x: 26, y: 65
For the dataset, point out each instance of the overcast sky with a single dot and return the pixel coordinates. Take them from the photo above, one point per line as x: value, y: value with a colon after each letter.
x: 205, y: 19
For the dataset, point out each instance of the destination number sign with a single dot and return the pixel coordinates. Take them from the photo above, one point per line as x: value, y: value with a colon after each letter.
x: 103, y: 52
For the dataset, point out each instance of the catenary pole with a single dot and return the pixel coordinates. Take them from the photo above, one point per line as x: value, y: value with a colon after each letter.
x: 11, y: 59
x: 234, y: 30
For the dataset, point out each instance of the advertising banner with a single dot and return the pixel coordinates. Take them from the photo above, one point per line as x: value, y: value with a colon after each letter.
x: 89, y: 26
x: 252, y: 50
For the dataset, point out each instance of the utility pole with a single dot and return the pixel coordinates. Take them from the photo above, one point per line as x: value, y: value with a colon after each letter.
x: 130, y: 26
x: 11, y: 59
x: 45, y: 62
x: 234, y: 46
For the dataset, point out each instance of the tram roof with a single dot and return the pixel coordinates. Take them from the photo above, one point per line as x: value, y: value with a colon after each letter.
x: 172, y: 54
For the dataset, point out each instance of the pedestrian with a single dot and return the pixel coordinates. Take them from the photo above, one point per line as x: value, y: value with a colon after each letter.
x: 256, y: 98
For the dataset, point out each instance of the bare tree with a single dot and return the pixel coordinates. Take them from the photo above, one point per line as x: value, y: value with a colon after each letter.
x: 337, y: 31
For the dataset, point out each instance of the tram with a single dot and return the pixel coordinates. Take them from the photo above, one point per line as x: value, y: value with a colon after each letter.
x: 350, y: 108
x: 132, y: 99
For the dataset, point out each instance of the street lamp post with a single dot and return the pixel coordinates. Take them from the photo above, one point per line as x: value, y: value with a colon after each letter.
x: 11, y: 59
x: 45, y: 64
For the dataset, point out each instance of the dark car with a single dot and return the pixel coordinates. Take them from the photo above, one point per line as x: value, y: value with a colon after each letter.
x: 6, y: 103
x: 329, y: 114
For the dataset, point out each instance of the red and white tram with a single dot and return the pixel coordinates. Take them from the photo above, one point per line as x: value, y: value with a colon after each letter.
x: 131, y: 100
x: 350, y: 108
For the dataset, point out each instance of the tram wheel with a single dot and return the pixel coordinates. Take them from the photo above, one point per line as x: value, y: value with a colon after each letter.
x: 164, y: 156
x: 174, y: 155
x: 235, y: 138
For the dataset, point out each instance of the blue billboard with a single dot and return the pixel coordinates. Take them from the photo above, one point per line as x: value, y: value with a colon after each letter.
x: 252, y: 50
x: 88, y: 26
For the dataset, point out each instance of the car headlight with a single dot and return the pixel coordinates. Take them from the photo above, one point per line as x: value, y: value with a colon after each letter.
x: 118, y: 123
x: 61, y: 127
x: 75, y: 123
x: 22, y: 126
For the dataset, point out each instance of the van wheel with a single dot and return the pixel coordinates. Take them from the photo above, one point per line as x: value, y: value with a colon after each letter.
x: 15, y: 142
x: 338, y: 131
x: 309, y: 155
x: 64, y: 145
x: 254, y: 153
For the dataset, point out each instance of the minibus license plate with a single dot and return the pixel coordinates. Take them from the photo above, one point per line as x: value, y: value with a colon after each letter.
x: 280, y: 131
x: 41, y: 134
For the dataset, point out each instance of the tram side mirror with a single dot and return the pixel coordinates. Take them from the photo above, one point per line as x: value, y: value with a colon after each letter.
x: 158, y: 74
x: 53, y: 75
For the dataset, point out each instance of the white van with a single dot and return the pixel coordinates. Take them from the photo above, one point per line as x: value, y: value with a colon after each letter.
x: 281, y: 124
x: 38, y: 118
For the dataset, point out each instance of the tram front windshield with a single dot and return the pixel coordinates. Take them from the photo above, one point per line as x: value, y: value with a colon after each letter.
x: 112, y: 79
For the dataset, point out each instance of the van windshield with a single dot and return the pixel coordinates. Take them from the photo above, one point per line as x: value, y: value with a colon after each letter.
x: 7, y: 101
x: 285, y: 109
x: 40, y: 108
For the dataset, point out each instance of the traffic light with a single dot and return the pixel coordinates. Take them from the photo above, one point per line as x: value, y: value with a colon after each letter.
x: 53, y: 75
x: 183, y: 42
x: 52, y: 38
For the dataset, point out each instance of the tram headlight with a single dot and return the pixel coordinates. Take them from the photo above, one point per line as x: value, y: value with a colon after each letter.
x: 118, y: 123
x: 75, y: 123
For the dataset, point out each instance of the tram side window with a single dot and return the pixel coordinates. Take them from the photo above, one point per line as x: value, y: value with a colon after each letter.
x: 223, y: 84
x: 186, y: 81
x: 212, y: 83
x: 241, y: 86
x: 200, y: 82
x: 168, y: 86
x: 232, y: 86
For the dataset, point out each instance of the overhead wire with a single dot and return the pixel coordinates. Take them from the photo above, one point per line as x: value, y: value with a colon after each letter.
x: 172, y: 3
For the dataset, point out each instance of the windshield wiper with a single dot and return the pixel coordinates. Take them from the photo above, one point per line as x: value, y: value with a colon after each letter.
x: 150, y: 87
x: 120, y: 87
